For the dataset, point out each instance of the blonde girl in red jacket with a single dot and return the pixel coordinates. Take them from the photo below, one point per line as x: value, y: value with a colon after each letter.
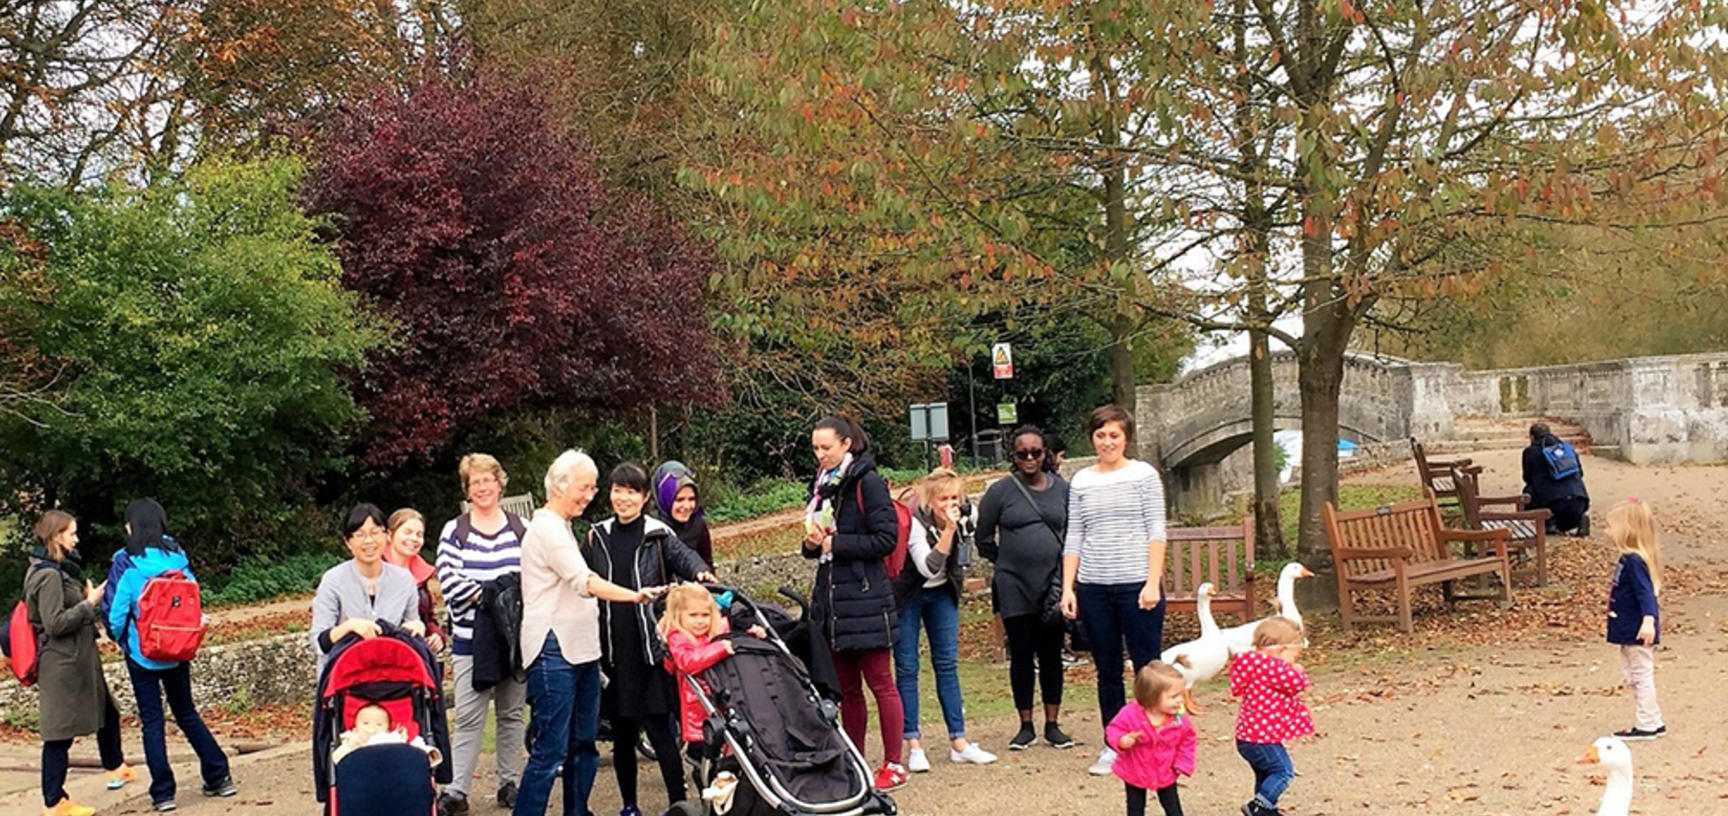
x: 690, y: 626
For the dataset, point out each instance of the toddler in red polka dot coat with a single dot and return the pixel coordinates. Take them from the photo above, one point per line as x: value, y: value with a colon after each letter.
x: 1270, y: 683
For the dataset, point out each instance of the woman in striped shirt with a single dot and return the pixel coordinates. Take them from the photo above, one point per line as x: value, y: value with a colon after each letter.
x: 1113, y: 560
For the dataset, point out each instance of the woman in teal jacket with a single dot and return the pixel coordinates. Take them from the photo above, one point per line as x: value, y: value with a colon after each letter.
x: 150, y: 552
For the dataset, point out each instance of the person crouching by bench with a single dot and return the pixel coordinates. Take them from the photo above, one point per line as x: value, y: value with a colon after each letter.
x: 1564, y: 497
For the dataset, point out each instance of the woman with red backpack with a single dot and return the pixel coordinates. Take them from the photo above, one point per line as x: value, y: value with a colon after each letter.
x: 851, y: 526
x: 152, y: 554
x: 74, y: 699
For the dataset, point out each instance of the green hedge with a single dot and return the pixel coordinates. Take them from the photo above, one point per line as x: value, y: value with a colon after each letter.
x: 266, y: 580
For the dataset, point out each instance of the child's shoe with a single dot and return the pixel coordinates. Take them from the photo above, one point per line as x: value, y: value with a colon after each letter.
x: 67, y: 808
x: 118, y: 777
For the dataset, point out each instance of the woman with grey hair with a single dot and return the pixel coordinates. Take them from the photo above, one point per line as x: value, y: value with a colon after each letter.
x: 561, y: 640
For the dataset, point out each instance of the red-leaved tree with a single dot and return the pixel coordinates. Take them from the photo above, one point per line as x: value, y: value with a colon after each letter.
x: 516, y: 276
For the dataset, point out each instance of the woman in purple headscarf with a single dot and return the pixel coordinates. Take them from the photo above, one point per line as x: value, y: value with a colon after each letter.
x: 678, y: 503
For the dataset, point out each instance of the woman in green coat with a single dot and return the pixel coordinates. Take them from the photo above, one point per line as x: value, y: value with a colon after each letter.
x: 73, y: 694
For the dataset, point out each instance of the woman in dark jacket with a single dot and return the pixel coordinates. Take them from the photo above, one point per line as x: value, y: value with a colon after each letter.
x: 850, y: 527
x: 678, y: 502
x: 1021, y: 524
x: 637, y: 552
x: 73, y: 694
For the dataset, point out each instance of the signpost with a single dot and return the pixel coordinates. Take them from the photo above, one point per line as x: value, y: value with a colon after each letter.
x: 929, y: 423
x: 1002, y: 361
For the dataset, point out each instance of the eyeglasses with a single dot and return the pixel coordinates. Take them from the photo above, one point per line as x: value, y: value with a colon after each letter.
x: 1029, y: 455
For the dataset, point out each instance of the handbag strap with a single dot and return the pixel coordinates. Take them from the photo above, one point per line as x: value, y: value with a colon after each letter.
x: 1034, y: 503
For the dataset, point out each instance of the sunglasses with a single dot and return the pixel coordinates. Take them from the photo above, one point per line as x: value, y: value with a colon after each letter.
x: 1029, y: 455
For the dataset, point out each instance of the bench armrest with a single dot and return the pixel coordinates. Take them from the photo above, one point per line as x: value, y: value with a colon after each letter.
x: 1358, y: 554
x: 1518, y: 501
x: 1475, y: 535
x: 1522, y: 515
x: 1443, y: 464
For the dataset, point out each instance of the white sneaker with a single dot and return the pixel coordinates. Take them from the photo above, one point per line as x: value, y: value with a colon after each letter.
x: 1106, y: 759
x: 917, y: 762
x: 973, y: 755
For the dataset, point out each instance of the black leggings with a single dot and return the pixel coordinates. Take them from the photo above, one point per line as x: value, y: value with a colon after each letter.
x: 1167, y: 799
x: 1030, y: 637
x: 56, y: 755
x: 626, y: 732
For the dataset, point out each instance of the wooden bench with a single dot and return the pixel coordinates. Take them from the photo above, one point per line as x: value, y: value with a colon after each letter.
x: 1222, y: 555
x: 1528, y: 528
x: 1405, y: 546
x: 1436, y: 474
x: 521, y: 504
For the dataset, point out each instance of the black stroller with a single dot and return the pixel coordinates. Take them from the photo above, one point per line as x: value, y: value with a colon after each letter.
x: 777, y: 730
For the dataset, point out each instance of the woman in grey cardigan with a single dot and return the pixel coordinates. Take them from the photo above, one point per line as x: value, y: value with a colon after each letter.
x: 356, y: 595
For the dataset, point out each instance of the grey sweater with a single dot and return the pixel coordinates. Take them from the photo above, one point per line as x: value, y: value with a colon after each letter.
x: 342, y: 595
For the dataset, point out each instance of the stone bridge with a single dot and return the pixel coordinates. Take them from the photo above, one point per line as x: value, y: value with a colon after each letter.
x: 1642, y: 409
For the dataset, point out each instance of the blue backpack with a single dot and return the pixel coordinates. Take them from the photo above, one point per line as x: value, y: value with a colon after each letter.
x: 1562, y: 459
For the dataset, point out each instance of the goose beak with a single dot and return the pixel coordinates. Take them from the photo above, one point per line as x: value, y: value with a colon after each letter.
x: 1306, y: 573
x: 1591, y: 757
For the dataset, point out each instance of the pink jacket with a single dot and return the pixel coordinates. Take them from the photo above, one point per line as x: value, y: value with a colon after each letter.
x: 689, y: 655
x: 1271, y: 689
x: 1159, y: 753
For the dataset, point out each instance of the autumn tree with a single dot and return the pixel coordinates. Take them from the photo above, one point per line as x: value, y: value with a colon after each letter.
x: 515, y: 274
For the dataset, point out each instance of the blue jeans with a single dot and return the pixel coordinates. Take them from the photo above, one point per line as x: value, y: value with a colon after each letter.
x: 565, y: 701
x: 1272, y: 770
x: 149, y: 686
x: 939, y: 611
x: 1109, y: 615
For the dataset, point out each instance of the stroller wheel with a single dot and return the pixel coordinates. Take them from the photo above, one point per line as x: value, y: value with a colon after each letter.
x: 645, y: 749
x: 687, y: 809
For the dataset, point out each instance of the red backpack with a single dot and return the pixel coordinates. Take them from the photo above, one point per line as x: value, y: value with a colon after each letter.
x: 170, y: 618
x: 896, y: 560
x: 23, y: 646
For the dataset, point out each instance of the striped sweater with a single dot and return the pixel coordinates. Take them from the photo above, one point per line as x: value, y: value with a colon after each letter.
x: 464, y: 567
x: 1112, y: 520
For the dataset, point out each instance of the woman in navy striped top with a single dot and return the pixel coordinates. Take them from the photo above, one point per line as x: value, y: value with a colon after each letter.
x: 1113, y: 560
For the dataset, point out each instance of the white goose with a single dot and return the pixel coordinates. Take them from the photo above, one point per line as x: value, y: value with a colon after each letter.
x: 1203, y: 658
x: 1241, y: 638
x: 1616, y: 759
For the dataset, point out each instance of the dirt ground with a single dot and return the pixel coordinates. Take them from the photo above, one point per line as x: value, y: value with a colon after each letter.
x: 1489, y: 723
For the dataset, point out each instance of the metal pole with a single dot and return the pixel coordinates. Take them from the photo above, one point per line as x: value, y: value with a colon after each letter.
x: 972, y: 414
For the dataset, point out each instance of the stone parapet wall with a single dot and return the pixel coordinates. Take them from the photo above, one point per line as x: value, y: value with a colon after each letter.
x: 277, y: 671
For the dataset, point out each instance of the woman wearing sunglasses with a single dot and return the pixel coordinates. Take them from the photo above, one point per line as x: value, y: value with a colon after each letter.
x: 1022, y: 521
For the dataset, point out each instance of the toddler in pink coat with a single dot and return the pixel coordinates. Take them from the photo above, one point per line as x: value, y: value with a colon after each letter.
x: 1153, y: 739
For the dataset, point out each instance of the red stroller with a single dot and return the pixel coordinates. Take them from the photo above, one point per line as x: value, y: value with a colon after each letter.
x: 396, y: 672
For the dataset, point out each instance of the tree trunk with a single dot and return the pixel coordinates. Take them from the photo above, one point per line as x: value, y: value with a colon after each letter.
x: 1319, y: 380
x: 1268, y: 526
x: 1122, y: 362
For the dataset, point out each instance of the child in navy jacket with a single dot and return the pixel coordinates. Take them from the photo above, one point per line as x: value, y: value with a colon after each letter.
x: 1634, y: 616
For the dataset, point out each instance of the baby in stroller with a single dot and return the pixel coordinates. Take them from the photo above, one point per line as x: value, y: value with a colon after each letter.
x: 379, y: 736
x: 372, y: 727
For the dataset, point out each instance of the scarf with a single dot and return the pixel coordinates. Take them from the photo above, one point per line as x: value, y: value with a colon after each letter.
x: 819, y: 514
x: 415, y: 565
